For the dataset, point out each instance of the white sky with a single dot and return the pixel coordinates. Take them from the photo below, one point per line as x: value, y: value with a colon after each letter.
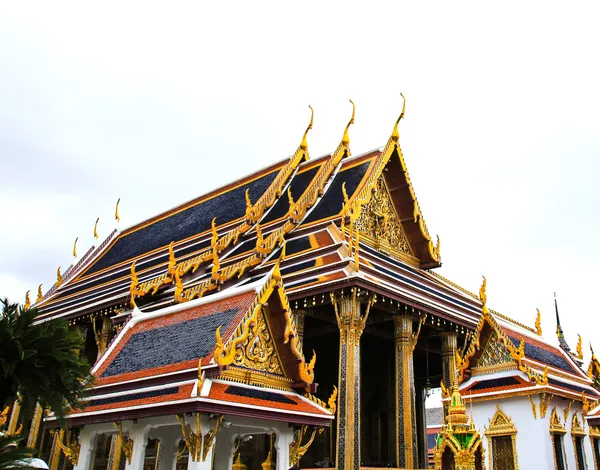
x: 158, y: 104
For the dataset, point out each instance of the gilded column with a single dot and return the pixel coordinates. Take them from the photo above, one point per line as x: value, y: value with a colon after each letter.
x: 406, y: 416
x: 299, y: 316
x: 449, y: 348
x: 351, y: 324
x: 14, y: 417
x: 34, y: 429
x: 448, y: 357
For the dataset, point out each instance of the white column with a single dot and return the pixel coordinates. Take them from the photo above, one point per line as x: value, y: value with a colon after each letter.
x: 284, y: 435
x: 169, y: 437
x: 223, y: 449
x: 200, y: 464
x: 87, y: 440
x: 139, y: 433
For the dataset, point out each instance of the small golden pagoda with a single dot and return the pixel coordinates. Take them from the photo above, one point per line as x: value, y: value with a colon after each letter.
x: 459, y: 445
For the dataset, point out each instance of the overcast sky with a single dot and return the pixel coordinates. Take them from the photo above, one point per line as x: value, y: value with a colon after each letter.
x: 157, y: 105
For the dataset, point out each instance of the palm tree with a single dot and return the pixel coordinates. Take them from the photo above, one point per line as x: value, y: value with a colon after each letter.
x: 40, y: 361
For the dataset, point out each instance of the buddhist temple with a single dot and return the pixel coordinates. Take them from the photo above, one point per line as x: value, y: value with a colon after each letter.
x: 294, y: 317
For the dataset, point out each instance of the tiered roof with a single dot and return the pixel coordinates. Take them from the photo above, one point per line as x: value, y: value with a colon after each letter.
x: 232, y: 236
x: 507, y: 359
x: 234, y: 352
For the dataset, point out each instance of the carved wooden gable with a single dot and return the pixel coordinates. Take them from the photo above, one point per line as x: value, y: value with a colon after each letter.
x: 258, y: 352
x: 381, y: 227
x: 494, y: 353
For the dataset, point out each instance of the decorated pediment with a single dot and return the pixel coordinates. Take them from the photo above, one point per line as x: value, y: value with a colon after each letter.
x: 380, y: 225
x: 494, y: 354
x: 258, y: 351
x: 500, y: 424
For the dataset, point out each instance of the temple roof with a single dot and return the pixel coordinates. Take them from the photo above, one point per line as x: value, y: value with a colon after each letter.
x: 505, y: 359
x: 295, y: 201
x: 236, y: 350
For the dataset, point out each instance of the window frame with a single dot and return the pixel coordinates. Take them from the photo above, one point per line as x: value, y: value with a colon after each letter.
x: 594, y: 436
x: 578, y: 432
x: 501, y: 426
x: 557, y: 430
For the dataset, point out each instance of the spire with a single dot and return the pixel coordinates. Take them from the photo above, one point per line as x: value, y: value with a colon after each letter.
x: 559, y: 331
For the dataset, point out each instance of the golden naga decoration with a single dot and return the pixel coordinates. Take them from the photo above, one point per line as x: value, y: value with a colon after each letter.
x: 4, y: 415
x: 544, y: 402
x: 59, y: 278
x: 330, y: 406
x: 209, y: 437
x: 579, y: 348
x: 27, y: 301
x: 126, y: 442
x: 69, y: 449
x: 261, y: 248
x: 153, y: 285
x: 567, y: 411
x: 483, y: 295
x: 201, y: 378
x: 249, y: 208
x: 117, y: 218
x: 538, y: 323
x: 346, y: 137
x: 40, y: 294
x: 304, y: 142
x: 75, y: 248
x: 96, y: 228
x: 395, y: 134
x: 133, y: 287
x: 533, y: 408
x: 297, y: 449
x: 193, y: 441
x: 306, y: 372
x: 332, y: 402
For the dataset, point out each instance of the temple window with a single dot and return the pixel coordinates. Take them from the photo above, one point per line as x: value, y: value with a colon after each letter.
x: 151, y: 455
x: 557, y: 432
x: 102, y: 453
x: 578, y: 434
x: 559, y: 453
x: 502, y: 435
x: 596, y: 448
x: 182, y: 456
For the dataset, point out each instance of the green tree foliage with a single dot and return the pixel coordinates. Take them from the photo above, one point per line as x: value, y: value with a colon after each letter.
x: 40, y: 360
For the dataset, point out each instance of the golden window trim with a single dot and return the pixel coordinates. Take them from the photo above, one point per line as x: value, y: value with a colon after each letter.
x: 556, y: 425
x: 593, y: 439
x: 501, y: 426
x: 578, y: 431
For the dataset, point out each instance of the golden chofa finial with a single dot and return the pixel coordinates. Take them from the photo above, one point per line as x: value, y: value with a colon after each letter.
x: 27, y: 301
x: 346, y: 138
x: 75, y: 248
x: 395, y: 133
x: 40, y: 294
x: 538, y: 323
x: 117, y: 218
x: 304, y: 143
x: 483, y: 295
x: 96, y: 228
x: 59, y: 278
x: 579, y: 348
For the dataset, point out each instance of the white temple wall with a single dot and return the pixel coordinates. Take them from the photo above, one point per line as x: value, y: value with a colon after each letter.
x: 533, y: 445
x: 168, y: 430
